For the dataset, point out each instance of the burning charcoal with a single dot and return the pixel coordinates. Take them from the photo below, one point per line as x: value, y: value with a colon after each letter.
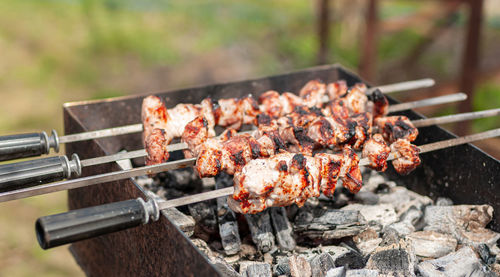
x: 382, y: 214
x: 321, y: 264
x: 430, y: 244
x: 407, y: 222
x: 204, y: 215
x: 367, y: 241
x: 261, y: 230
x: 351, y: 259
x: 464, y: 262
x: 444, y: 201
x: 375, y: 182
x: 228, y: 225
x: 282, y: 228
x: 336, y: 272
x: 402, y: 199
x: 225, y: 268
x: 257, y: 270
x: 328, y: 224
x: 184, y: 222
x: 366, y: 197
x: 397, y: 259
x: 362, y: 273
x: 465, y: 222
x: 485, y: 254
x: 299, y: 267
x: 281, y: 267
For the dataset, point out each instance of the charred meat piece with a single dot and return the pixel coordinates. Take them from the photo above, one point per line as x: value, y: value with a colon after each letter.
x: 362, y: 124
x: 230, y: 155
x: 407, y: 158
x: 195, y: 134
x: 312, y: 93
x: 233, y: 112
x: 356, y: 98
x: 329, y: 131
x: 377, y: 152
x: 156, y: 147
x: 396, y: 127
x: 380, y: 104
x: 280, y: 180
x: 336, y: 90
x: 289, y: 178
x: 337, y: 108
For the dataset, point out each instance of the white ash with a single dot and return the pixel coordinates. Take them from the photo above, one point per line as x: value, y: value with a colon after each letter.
x: 385, y: 230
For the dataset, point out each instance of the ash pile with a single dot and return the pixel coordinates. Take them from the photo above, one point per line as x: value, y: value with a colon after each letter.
x: 384, y: 230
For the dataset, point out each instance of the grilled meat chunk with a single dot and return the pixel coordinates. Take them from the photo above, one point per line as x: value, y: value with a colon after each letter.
x: 289, y: 178
x: 396, y: 127
x: 407, y: 158
x: 380, y: 104
x: 336, y: 90
x: 377, y: 152
x: 312, y: 93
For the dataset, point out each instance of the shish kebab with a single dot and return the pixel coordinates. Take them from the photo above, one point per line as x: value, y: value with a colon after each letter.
x: 9, y: 190
x: 51, y: 169
x: 37, y: 144
x: 76, y: 225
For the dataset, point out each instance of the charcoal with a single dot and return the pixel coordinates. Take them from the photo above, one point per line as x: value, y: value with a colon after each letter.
x: 444, y: 201
x: 367, y: 241
x: 361, y: 273
x: 336, y: 272
x: 261, y: 230
x: 351, y: 259
x: 228, y: 224
x: 382, y: 214
x: 204, y: 248
x: 257, y: 270
x: 299, y: 267
x: 182, y: 179
x: 204, y: 215
x: 328, y: 224
x: 465, y: 222
x: 375, y: 182
x: 281, y: 266
x: 407, y: 222
x: 184, y: 222
x: 430, y: 244
x: 282, y: 228
x: 402, y: 199
x: 334, y: 251
x: 248, y: 251
x: 144, y: 181
x: 366, y: 197
x: 485, y: 254
x: 464, y: 262
x: 225, y: 268
x: 321, y: 264
x: 397, y: 259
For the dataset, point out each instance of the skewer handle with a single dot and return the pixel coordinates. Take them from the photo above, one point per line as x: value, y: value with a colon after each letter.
x: 76, y: 225
x: 36, y: 172
x: 27, y: 145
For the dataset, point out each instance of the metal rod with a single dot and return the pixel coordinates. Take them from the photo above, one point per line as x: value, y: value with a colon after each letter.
x: 455, y: 117
x: 110, y: 132
x: 119, y: 175
x: 428, y: 102
x: 180, y: 146
x: 403, y: 86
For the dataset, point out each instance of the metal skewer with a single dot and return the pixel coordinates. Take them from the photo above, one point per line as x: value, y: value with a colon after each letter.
x: 37, y: 144
x: 76, y: 225
x: 152, y: 169
x: 35, y: 172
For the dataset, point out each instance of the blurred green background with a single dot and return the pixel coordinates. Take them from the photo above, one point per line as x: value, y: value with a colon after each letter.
x: 66, y: 50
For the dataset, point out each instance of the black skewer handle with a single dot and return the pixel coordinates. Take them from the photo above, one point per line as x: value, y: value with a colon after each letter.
x: 76, y: 225
x: 27, y: 145
x: 36, y: 172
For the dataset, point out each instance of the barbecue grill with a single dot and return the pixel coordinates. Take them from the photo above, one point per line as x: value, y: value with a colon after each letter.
x: 161, y: 248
